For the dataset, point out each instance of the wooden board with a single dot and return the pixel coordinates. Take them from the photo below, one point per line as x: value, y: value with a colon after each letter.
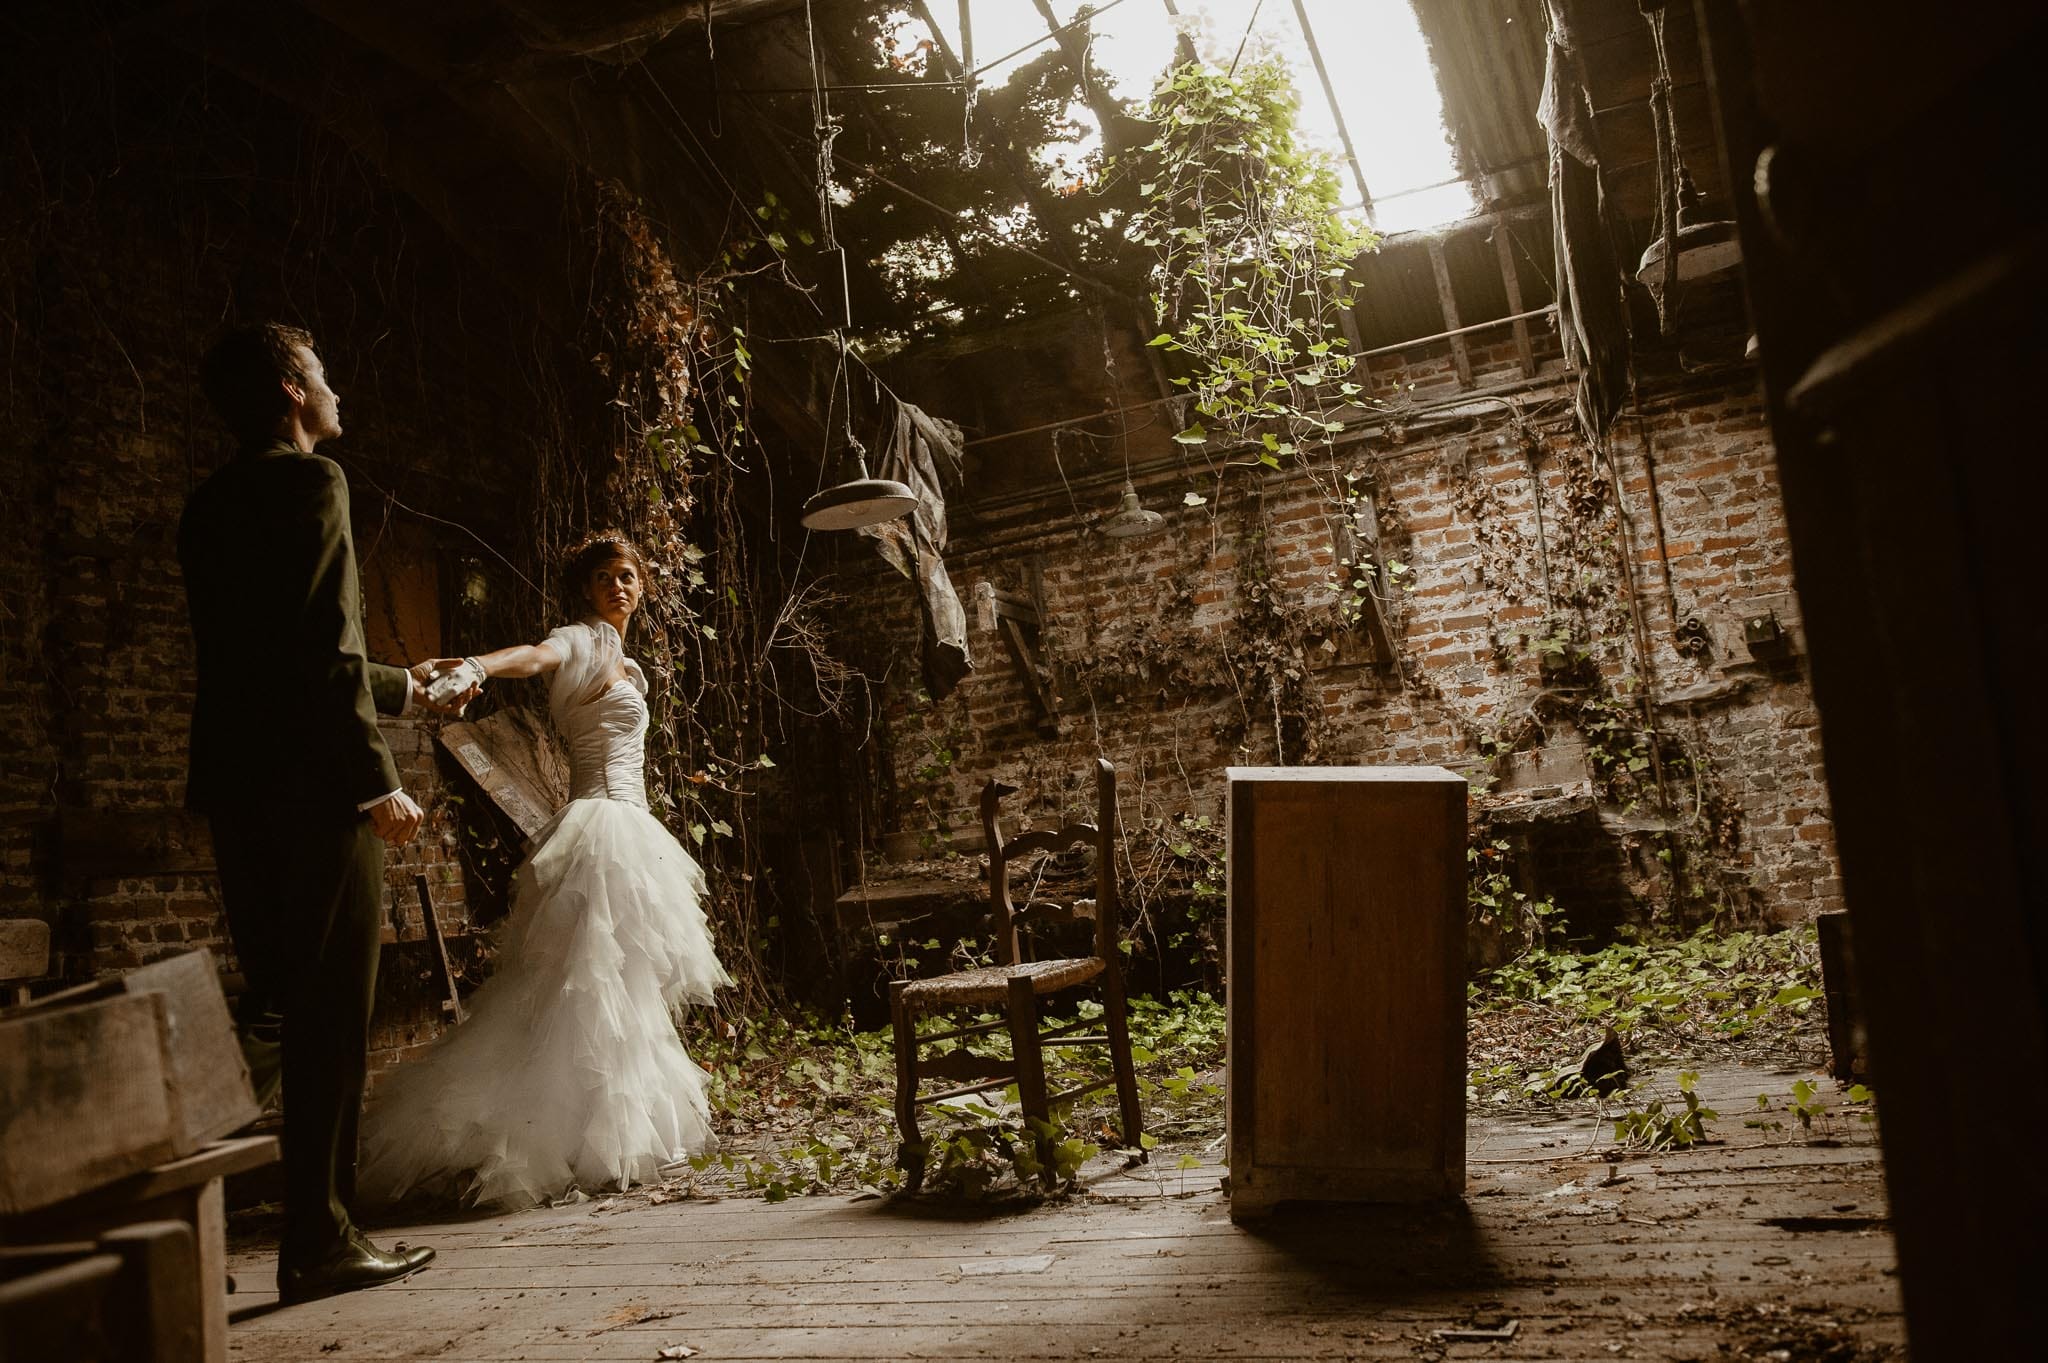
x: 1347, y: 997
x: 84, y: 1097
x: 207, y: 1080
x: 1669, y: 1257
x: 501, y: 756
x: 100, y: 844
x: 186, y: 1190
x: 24, y: 949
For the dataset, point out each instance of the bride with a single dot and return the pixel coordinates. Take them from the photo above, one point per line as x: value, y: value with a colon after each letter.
x: 569, y: 1070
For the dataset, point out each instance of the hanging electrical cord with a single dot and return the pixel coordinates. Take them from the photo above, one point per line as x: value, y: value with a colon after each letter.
x: 969, y: 157
x: 1130, y: 519
x: 701, y: 155
x: 1248, y: 24
x: 860, y: 500
x: 1051, y: 35
x: 1670, y: 168
x: 825, y: 129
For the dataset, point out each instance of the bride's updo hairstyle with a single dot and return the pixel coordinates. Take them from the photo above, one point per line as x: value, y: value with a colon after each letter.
x: 592, y: 552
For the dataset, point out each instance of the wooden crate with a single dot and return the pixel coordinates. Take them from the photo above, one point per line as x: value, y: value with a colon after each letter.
x: 207, y: 1080
x: 1346, y: 976
x: 84, y: 1098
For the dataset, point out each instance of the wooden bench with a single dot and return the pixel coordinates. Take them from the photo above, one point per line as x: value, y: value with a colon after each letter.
x: 133, y: 1295
x: 187, y: 1191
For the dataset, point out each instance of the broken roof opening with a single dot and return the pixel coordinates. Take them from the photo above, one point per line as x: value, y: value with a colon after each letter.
x: 1382, y: 89
x: 989, y: 173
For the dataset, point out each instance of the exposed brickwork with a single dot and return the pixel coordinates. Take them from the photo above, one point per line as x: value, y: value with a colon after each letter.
x: 1148, y: 642
x: 121, y: 280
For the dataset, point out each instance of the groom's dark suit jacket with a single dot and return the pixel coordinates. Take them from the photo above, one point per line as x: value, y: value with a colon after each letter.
x: 286, y: 710
x: 285, y: 750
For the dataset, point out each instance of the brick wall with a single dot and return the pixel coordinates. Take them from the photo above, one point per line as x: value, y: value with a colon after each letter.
x: 1219, y: 643
x: 148, y: 217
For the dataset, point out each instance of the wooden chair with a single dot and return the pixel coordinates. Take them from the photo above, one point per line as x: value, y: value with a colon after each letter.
x: 1015, y: 985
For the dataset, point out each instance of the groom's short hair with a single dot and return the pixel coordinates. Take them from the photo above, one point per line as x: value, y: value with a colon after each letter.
x: 243, y: 372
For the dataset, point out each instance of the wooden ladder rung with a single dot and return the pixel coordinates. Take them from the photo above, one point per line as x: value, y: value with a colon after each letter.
x: 1071, y: 1094
x: 985, y: 1086
x: 978, y: 1029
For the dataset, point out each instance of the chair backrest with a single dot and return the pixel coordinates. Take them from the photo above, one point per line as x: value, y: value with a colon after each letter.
x: 1006, y: 917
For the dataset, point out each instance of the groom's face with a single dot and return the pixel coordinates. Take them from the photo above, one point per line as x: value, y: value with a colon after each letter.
x: 319, y: 406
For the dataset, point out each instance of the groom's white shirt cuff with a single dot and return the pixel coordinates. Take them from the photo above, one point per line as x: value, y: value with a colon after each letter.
x: 404, y: 709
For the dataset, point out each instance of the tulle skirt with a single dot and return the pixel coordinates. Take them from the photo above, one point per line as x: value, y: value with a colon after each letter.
x: 568, y: 1071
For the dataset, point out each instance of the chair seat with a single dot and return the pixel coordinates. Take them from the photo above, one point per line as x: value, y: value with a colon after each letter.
x: 991, y: 984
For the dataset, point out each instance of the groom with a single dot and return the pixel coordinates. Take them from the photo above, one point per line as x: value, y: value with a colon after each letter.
x: 296, y: 781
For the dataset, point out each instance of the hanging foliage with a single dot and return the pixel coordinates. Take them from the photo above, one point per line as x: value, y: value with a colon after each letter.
x: 1252, y: 258
x: 666, y: 467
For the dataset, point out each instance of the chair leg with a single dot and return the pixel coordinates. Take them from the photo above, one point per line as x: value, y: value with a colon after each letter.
x: 1116, y: 1024
x: 1031, y: 1094
x: 910, y: 1155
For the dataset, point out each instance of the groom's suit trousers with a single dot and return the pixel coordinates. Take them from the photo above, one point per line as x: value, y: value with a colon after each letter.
x: 285, y: 750
x: 303, y: 893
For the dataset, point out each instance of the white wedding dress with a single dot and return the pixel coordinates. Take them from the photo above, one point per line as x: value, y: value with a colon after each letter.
x: 569, y: 1071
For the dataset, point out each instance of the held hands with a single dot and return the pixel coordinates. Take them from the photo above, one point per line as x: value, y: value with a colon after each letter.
x: 396, y: 819
x: 447, y: 684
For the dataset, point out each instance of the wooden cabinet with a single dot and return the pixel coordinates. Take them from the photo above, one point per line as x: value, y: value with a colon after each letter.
x: 1346, y: 978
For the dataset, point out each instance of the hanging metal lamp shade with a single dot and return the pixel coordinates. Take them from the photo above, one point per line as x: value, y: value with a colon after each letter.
x: 1130, y: 519
x: 859, y: 501
x: 1704, y: 249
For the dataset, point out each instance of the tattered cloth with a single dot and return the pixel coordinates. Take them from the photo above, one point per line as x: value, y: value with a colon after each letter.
x: 924, y: 453
x: 1592, y: 314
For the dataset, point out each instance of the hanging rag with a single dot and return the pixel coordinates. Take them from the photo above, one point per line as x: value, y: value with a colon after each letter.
x: 925, y: 454
x: 1592, y: 311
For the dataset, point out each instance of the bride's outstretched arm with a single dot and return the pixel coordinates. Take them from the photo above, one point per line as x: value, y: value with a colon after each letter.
x: 520, y: 660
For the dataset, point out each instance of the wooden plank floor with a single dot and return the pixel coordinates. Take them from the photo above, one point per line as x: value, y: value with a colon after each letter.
x: 1730, y: 1251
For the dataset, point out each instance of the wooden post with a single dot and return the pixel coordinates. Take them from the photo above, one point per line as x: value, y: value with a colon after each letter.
x: 1021, y: 1009
x: 1461, y: 354
x: 903, y: 1025
x: 1511, y: 280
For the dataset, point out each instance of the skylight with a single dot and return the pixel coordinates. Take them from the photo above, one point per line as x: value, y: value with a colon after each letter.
x: 1385, y: 87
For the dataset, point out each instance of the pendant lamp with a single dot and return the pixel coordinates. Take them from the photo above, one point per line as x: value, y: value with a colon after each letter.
x: 1688, y: 246
x: 859, y: 501
x: 1704, y: 248
x: 1130, y: 520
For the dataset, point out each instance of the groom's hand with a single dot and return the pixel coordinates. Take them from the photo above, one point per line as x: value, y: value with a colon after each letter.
x: 422, y: 673
x: 396, y: 819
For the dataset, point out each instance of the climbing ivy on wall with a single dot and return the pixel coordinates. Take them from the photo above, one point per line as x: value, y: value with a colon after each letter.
x: 666, y: 464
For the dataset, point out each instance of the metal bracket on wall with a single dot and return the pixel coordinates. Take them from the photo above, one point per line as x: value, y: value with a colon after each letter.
x: 1017, y: 619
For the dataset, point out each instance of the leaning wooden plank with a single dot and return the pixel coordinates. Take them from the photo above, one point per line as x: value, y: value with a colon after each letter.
x: 431, y: 921
x: 477, y: 753
x: 84, y: 1098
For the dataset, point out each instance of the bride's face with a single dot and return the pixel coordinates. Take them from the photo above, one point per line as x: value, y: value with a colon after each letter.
x: 615, y: 588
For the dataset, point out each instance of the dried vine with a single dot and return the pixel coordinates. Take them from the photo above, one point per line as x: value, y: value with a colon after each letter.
x: 676, y: 442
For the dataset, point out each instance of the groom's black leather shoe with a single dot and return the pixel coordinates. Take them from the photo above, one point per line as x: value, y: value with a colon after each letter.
x: 354, y: 1263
